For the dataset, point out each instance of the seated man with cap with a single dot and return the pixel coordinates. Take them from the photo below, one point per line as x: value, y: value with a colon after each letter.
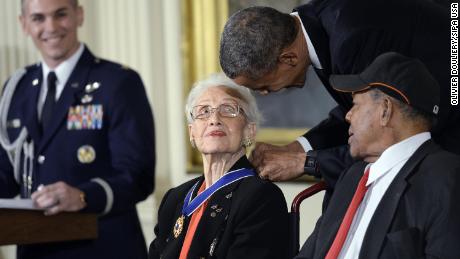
x: 400, y: 201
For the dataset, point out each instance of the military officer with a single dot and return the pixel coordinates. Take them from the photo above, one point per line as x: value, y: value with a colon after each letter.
x: 77, y: 134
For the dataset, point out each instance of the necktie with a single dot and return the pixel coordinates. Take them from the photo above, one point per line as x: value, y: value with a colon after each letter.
x: 50, y: 100
x: 348, y: 219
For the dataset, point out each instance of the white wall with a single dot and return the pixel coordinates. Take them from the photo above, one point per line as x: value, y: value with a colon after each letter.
x: 144, y: 35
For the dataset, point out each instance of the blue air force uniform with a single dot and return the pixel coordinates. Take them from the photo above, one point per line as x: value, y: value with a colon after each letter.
x: 100, y: 140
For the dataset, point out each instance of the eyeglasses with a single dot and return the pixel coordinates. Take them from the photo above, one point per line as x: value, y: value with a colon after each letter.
x: 202, y: 112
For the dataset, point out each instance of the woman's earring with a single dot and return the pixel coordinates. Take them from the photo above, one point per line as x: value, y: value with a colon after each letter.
x: 247, y: 142
x: 192, y: 142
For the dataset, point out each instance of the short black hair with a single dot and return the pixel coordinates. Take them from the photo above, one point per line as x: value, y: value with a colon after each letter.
x: 253, y: 39
x: 74, y: 3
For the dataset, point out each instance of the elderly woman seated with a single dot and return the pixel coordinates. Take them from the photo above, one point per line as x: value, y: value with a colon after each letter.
x: 228, y: 212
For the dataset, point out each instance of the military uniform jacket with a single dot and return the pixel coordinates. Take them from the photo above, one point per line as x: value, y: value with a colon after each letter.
x: 418, y: 216
x: 245, y: 219
x: 101, y: 141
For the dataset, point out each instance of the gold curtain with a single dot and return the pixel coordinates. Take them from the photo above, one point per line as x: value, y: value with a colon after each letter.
x: 202, y: 23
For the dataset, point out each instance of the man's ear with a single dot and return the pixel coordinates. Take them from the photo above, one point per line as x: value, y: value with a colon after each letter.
x: 22, y: 20
x: 289, y: 58
x: 80, y: 15
x: 387, y: 109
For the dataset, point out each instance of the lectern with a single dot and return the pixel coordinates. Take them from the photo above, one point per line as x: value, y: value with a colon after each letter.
x: 20, y: 226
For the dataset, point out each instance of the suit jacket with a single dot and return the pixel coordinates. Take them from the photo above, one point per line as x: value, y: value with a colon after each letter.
x: 349, y: 34
x: 250, y: 221
x: 118, y: 169
x: 418, y: 216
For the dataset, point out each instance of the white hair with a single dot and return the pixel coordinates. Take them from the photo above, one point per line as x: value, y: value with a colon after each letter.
x: 221, y: 80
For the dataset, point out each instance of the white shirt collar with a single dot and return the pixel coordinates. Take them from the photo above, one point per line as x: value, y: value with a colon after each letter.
x: 63, y: 70
x: 311, y: 49
x: 395, y: 154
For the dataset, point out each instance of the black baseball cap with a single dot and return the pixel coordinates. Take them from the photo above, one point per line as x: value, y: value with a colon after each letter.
x: 406, y: 79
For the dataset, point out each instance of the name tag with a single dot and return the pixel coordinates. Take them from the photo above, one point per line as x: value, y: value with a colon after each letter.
x: 82, y: 117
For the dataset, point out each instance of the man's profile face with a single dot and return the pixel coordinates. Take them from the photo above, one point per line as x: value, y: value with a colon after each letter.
x: 52, y: 25
x: 364, y: 128
x: 280, y: 78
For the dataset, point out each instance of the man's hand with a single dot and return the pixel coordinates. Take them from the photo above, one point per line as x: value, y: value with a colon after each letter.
x: 58, y: 197
x: 278, y: 163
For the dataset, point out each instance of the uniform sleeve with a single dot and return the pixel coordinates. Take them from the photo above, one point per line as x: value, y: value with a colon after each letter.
x: 8, y: 185
x: 263, y: 228
x: 132, y: 150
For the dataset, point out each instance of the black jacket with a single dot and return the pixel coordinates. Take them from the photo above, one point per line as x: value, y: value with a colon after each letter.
x: 250, y: 221
x: 418, y: 216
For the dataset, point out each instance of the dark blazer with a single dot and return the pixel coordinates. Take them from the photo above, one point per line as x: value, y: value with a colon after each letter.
x: 124, y: 154
x: 252, y: 222
x: 349, y: 34
x: 418, y: 216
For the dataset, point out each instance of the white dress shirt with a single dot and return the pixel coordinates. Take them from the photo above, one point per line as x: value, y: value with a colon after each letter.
x: 63, y: 72
x: 311, y: 49
x: 316, y: 64
x: 381, y: 175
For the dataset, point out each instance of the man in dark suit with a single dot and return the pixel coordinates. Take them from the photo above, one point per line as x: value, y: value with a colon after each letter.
x: 77, y: 135
x: 401, y: 202
x: 266, y: 51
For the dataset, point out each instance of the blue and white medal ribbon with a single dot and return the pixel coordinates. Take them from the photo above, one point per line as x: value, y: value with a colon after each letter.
x: 190, y: 205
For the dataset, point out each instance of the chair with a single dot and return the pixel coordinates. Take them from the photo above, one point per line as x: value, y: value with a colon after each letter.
x: 294, y: 216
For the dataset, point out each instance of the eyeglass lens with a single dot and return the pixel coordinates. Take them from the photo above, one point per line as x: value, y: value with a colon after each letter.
x: 225, y: 110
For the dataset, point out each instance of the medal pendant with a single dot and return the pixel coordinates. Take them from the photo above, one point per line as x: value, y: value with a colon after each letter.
x: 178, y: 226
